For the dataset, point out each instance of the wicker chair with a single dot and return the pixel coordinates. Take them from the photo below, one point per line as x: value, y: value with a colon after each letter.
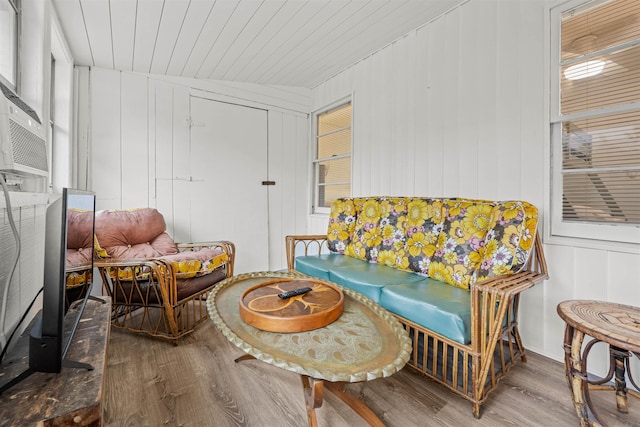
x: 157, y: 287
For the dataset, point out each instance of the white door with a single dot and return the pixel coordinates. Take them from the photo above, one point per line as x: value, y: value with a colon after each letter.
x: 228, y: 157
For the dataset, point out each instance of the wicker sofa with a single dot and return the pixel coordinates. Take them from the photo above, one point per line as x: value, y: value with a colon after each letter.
x: 451, y: 270
x: 157, y: 287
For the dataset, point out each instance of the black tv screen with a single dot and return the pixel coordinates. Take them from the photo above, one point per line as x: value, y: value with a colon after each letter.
x: 68, y: 248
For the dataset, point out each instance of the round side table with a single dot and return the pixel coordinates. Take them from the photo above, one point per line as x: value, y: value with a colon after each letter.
x: 615, y: 324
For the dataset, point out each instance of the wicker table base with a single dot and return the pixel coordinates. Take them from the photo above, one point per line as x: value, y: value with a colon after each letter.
x: 618, y: 326
x: 364, y: 343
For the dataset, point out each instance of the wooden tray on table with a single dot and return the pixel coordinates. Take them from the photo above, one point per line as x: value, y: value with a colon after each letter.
x: 262, y: 308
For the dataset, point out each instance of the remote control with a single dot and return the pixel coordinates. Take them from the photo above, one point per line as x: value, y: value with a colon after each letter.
x: 294, y: 292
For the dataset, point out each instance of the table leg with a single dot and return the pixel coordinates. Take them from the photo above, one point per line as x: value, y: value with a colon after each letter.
x: 576, y: 373
x: 619, y: 356
x: 354, y: 403
x: 313, y: 397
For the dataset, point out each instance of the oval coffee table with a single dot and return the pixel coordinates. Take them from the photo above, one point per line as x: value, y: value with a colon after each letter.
x: 366, y: 342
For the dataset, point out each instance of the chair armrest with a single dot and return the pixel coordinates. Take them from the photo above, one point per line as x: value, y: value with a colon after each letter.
x: 115, y: 273
x: 310, y: 244
x: 226, y: 246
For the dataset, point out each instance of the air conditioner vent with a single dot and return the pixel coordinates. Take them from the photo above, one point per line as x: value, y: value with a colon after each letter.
x: 28, y: 149
x: 23, y: 146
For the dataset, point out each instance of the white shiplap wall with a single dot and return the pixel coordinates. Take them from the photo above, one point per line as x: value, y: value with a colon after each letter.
x: 28, y: 211
x: 133, y: 116
x: 457, y: 108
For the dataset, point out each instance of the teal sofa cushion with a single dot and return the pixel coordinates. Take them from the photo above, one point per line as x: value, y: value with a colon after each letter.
x: 370, y: 278
x: 435, y: 305
x: 432, y: 304
x: 319, y: 265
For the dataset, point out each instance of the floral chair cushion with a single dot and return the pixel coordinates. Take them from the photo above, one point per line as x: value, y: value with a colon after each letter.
x: 342, y: 223
x: 196, y: 263
x: 366, y: 236
x: 74, y: 279
x: 391, y: 230
x: 459, y: 250
x: 422, y: 226
x: 509, y: 239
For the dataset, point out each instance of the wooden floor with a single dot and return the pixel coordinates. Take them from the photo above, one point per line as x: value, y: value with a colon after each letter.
x: 151, y: 382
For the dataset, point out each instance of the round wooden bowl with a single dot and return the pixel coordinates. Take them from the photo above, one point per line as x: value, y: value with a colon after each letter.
x: 261, y: 307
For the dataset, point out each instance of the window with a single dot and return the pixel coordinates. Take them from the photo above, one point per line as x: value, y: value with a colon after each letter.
x: 332, y: 160
x: 595, y: 120
x: 9, y: 42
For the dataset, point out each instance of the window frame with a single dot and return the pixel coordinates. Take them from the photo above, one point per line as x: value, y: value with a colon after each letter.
x: 599, y: 233
x: 15, y: 4
x: 315, y: 209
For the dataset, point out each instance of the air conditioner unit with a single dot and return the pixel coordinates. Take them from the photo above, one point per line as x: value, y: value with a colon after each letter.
x: 23, y: 149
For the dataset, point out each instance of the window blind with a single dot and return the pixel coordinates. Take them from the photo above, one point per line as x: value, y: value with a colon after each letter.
x: 600, y: 113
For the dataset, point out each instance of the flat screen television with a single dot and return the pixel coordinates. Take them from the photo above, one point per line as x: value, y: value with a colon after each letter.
x: 69, y: 231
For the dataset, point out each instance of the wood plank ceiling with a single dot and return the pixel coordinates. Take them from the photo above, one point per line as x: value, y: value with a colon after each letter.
x: 273, y: 42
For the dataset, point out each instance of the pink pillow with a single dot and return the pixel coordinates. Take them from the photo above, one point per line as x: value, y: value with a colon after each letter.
x: 134, y: 234
x: 79, y: 225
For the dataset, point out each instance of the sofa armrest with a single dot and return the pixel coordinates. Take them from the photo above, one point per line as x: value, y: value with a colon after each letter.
x: 494, y: 308
x: 226, y: 246
x: 312, y: 244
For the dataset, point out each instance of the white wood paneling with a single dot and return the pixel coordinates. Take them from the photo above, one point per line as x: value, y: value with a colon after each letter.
x: 487, y: 86
x: 258, y: 23
x: 469, y: 58
x: 181, y: 168
x: 81, y: 132
x: 282, y: 42
x: 124, y: 13
x: 171, y: 23
x: 292, y: 99
x: 68, y: 14
x: 139, y: 132
x: 148, y: 17
x: 511, y: 78
x: 134, y: 141
x: 29, y: 212
x: 433, y: 140
x: 161, y: 141
x: 106, y: 164
x: 192, y: 27
x: 210, y: 32
x: 262, y: 47
x: 242, y: 14
x: 98, y: 33
x: 477, y: 127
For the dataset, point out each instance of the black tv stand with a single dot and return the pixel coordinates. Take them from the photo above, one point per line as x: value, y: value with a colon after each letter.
x: 27, y: 372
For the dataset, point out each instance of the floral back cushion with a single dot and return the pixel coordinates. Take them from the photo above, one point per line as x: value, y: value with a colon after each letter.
x: 366, y: 236
x: 421, y: 227
x: 459, y: 250
x: 342, y: 223
x: 393, y: 217
x: 509, y: 240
